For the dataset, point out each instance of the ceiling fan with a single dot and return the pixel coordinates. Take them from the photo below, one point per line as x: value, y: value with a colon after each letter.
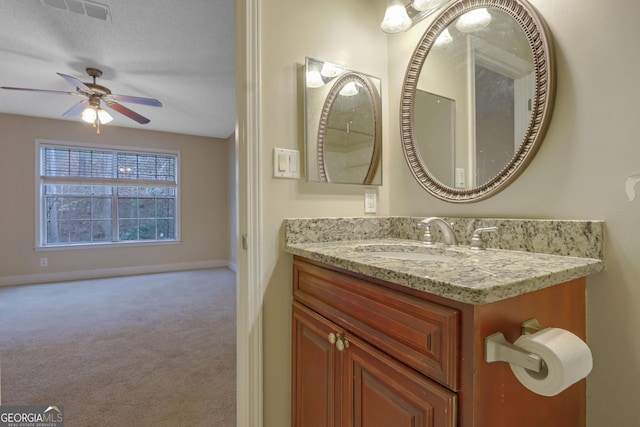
x: 90, y: 108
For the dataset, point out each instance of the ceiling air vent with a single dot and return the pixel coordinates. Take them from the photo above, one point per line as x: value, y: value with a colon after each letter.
x: 84, y: 7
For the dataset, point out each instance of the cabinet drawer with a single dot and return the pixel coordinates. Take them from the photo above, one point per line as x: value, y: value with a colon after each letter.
x: 422, y: 334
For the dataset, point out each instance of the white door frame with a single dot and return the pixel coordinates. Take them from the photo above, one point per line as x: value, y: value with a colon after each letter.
x: 248, y: 151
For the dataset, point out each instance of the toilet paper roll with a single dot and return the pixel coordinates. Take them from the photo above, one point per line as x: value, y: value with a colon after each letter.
x: 567, y: 360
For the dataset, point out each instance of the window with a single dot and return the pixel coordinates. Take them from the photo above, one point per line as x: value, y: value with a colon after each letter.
x: 92, y: 195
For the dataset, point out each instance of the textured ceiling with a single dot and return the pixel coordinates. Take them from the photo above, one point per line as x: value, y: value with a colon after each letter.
x: 179, y: 52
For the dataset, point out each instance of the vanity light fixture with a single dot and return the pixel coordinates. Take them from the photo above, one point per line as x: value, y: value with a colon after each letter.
x: 400, y: 15
x: 474, y: 20
x: 396, y: 19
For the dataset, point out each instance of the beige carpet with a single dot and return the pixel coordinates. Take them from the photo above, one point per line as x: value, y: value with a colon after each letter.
x: 152, y: 350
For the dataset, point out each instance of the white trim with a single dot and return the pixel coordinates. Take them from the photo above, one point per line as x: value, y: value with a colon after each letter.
x: 106, y: 245
x: 501, y: 61
x: 106, y: 147
x: 250, y: 290
x: 232, y: 266
x: 109, y: 272
x: 113, y: 182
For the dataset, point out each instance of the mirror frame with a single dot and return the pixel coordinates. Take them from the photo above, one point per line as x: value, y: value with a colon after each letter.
x: 343, y: 80
x: 540, y: 41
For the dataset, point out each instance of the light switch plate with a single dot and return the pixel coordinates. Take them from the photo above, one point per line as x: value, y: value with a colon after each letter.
x: 286, y: 163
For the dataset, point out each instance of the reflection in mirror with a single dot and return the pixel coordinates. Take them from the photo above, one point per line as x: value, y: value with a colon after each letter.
x: 342, y: 125
x: 435, y: 134
x: 501, y: 81
x: 486, y: 73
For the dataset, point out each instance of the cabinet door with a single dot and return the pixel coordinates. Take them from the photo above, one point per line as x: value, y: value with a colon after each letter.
x: 379, y: 391
x: 419, y: 333
x: 316, y: 370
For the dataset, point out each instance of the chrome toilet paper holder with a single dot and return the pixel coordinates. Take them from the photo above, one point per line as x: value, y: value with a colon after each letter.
x: 498, y: 349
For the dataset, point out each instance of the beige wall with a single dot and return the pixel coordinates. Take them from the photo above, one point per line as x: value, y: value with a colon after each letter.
x: 344, y: 33
x: 232, y: 188
x: 580, y: 171
x: 204, y: 180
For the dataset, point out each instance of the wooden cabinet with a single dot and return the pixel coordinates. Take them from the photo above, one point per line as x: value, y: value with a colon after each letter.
x: 317, y: 369
x: 353, y: 356
x: 368, y: 353
x: 339, y: 380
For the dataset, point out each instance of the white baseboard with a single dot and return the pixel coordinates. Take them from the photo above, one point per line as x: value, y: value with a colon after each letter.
x: 111, y: 272
x: 232, y: 266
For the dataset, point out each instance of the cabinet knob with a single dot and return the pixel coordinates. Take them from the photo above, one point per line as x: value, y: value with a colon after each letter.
x: 341, y: 344
x: 332, y: 338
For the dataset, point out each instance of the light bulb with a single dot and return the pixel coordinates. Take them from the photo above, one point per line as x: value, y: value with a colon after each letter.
x: 396, y: 19
x: 330, y: 70
x: 443, y: 39
x: 349, y: 89
x: 423, y: 5
x: 104, y: 116
x: 89, y: 114
x: 314, y: 79
x: 474, y: 20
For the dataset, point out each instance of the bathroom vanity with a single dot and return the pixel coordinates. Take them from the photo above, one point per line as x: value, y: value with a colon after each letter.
x: 387, y: 332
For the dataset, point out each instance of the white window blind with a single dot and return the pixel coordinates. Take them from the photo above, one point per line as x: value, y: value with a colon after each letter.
x: 99, y: 196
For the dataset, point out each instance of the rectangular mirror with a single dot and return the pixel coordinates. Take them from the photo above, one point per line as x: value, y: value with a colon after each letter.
x: 343, y: 125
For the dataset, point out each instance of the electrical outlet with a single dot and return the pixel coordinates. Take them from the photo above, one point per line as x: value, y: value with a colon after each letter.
x: 460, y: 179
x: 370, y: 200
x: 44, y: 262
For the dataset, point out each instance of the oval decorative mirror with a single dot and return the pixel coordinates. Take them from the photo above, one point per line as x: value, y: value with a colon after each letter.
x: 343, y: 125
x: 477, y: 98
x: 349, y: 131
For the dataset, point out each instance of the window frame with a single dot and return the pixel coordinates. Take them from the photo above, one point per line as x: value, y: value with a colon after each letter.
x: 40, y: 182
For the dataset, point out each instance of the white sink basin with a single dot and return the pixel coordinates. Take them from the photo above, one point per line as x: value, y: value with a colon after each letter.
x: 416, y: 252
x: 413, y: 256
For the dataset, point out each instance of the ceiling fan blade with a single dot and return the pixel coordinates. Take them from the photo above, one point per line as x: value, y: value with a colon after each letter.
x: 136, y: 100
x: 75, y: 82
x: 40, y: 90
x: 76, y: 109
x: 127, y: 112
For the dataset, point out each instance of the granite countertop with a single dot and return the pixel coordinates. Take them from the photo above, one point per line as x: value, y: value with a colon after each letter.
x: 461, y: 274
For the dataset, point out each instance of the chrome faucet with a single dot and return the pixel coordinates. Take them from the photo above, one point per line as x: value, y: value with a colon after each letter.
x: 448, y: 236
x: 477, y: 244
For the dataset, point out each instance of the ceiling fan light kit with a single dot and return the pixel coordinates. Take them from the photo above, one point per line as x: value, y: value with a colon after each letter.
x: 90, y: 108
x: 93, y: 112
